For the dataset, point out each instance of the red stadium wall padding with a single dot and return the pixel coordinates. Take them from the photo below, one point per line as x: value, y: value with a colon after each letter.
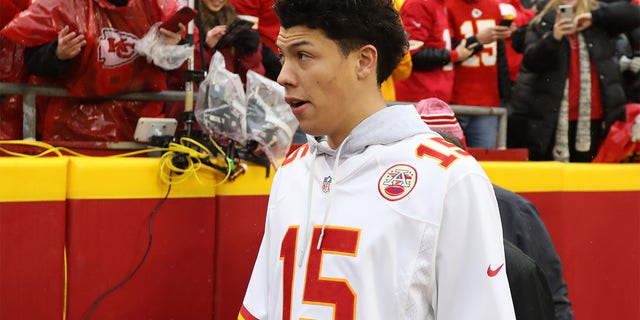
x: 32, y: 232
x: 108, y: 238
x: 206, y: 236
x: 31, y: 259
x: 110, y: 202
x: 240, y: 224
x: 597, y: 235
x: 240, y: 212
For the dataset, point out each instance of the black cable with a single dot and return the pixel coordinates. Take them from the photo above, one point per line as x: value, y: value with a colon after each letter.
x: 144, y: 257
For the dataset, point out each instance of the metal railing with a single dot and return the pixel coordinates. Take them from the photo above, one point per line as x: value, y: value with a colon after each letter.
x: 30, y: 92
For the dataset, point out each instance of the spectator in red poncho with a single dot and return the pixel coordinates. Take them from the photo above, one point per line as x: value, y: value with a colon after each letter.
x: 88, y: 46
x: 11, y: 70
x: 243, y: 50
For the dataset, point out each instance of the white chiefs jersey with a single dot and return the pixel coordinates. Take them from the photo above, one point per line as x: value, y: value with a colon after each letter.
x: 411, y: 231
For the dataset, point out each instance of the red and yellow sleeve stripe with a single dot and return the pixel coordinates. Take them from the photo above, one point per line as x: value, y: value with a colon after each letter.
x: 245, y: 314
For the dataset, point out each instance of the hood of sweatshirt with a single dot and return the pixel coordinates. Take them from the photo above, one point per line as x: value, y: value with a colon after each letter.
x: 386, y: 126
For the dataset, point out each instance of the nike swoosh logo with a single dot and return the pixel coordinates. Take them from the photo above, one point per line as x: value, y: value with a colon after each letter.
x: 416, y: 23
x: 493, y: 273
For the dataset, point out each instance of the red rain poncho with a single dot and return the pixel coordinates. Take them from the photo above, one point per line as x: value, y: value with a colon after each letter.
x: 11, y: 70
x: 107, y: 64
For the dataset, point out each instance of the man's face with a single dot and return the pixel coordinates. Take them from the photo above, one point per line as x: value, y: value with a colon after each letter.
x: 317, y: 80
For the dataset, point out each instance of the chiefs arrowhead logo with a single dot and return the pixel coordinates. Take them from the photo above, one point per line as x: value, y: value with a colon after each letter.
x: 116, y: 48
x: 397, y: 181
x: 476, y: 13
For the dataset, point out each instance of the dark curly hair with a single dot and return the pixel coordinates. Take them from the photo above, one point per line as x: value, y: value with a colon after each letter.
x: 351, y: 24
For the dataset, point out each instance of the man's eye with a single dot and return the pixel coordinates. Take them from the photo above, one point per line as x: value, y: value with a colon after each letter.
x: 280, y: 57
x: 303, y: 56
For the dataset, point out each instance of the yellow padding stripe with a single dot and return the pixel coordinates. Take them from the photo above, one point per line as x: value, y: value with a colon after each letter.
x: 253, y: 182
x: 555, y: 176
x: 33, y: 179
x: 56, y: 178
x: 130, y: 178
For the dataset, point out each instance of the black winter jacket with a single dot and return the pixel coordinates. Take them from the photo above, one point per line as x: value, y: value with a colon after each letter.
x: 537, y: 94
x: 523, y: 227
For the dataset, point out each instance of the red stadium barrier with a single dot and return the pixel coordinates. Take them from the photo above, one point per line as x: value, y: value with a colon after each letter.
x: 206, y: 237
x: 32, y: 238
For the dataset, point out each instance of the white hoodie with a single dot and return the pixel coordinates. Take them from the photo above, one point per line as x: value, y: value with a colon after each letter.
x: 394, y: 224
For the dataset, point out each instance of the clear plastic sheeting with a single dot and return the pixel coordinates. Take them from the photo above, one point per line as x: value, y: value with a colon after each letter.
x: 167, y: 57
x: 221, y: 108
x: 270, y: 121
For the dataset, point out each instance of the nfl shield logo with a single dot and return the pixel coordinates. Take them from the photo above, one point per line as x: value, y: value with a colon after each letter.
x: 326, y: 184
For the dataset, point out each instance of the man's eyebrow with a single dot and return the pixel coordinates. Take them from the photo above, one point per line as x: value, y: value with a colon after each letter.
x: 295, y: 44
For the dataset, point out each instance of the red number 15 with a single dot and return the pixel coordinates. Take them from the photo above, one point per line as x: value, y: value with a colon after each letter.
x: 319, y: 290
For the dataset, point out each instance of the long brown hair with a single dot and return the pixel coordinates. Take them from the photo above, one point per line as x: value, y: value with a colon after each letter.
x: 210, y: 19
x: 582, y: 6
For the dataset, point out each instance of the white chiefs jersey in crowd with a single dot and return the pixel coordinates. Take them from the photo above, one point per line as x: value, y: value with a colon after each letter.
x: 411, y: 231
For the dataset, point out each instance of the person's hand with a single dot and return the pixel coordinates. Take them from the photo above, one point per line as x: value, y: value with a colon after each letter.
x: 214, y: 35
x: 563, y: 27
x: 502, y: 32
x: 485, y: 35
x: 171, y: 38
x: 624, y: 63
x: 634, y: 64
x: 582, y: 21
x: 69, y: 44
x: 463, y: 52
x: 490, y: 34
x: 631, y: 64
x: 513, y: 27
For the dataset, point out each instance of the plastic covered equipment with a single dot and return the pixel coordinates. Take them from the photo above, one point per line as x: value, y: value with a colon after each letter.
x: 221, y: 107
x: 270, y: 121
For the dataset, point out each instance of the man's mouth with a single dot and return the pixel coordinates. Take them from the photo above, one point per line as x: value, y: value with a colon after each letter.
x: 294, y: 103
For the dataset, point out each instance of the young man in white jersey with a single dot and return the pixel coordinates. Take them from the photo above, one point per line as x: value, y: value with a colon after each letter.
x: 381, y: 218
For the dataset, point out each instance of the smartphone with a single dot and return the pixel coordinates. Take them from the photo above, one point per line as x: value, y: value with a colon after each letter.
x: 566, y: 11
x: 505, y: 22
x: 234, y: 28
x: 183, y: 15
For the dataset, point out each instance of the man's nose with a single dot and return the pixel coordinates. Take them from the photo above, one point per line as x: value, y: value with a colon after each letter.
x: 285, y: 77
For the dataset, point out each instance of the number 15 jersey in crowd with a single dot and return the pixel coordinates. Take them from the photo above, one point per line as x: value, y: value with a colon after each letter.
x: 395, y: 224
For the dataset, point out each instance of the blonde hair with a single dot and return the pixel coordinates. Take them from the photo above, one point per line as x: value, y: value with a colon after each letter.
x: 582, y: 6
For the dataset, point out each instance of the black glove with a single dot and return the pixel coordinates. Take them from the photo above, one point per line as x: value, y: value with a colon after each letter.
x: 247, y: 41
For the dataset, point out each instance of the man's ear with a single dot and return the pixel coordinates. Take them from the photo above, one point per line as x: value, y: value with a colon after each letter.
x: 367, y: 62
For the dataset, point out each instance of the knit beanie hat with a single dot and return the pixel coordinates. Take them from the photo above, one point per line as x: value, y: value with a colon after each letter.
x: 439, y: 117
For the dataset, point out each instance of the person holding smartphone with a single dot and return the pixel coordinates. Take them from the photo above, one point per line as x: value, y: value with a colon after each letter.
x: 432, y: 52
x: 569, y: 90
x: 518, y: 26
x: 222, y: 30
x: 219, y: 28
x: 482, y: 79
